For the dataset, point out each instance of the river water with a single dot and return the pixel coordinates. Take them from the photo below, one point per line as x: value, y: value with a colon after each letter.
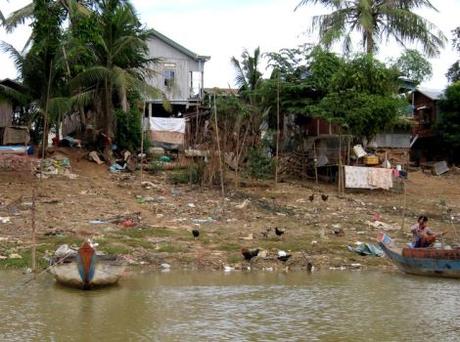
x: 239, y: 306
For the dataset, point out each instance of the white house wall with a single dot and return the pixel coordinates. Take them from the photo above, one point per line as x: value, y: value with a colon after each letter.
x: 184, y: 65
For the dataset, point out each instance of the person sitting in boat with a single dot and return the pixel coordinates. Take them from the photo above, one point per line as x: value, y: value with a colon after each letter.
x: 422, y: 235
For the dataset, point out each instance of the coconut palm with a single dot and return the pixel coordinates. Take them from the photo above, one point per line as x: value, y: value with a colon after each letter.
x: 247, y: 76
x: 120, y: 63
x: 20, y: 16
x: 374, y: 20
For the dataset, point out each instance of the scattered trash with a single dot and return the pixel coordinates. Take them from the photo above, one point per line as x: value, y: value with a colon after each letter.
x: 243, y: 205
x: 314, y: 243
x: 440, y: 167
x: 383, y: 225
x: 128, y: 223
x: 228, y: 268
x: 97, y: 222
x: 2, y: 257
x: 93, y: 156
x: 5, y: 220
x: 191, y: 205
x: 165, y: 267
x: 248, y: 238
x: 64, y: 251
x: 14, y: 256
x: 340, y: 268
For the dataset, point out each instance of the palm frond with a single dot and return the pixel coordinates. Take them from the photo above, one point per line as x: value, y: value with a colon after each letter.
x: 324, y: 3
x: 240, y: 79
x: 10, y: 93
x: 90, y: 77
x: 407, y: 26
x: 19, y: 17
x: 15, y: 55
x: 59, y: 106
x: 84, y: 98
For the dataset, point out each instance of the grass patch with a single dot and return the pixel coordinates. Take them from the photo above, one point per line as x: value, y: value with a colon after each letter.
x: 234, y: 258
x: 229, y: 247
x: 115, y: 249
x: 139, y: 233
x: 25, y: 262
x: 169, y: 248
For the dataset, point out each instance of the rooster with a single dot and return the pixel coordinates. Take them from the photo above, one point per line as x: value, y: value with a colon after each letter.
x: 311, y: 197
x: 324, y: 197
x: 249, y: 254
x: 196, y: 233
x: 279, y: 232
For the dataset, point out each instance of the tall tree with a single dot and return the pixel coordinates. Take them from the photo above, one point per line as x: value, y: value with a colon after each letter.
x: 449, y: 123
x: 21, y: 15
x: 453, y: 74
x: 375, y: 20
x: 362, y: 97
x: 248, y: 76
x: 414, y: 66
x: 120, y: 61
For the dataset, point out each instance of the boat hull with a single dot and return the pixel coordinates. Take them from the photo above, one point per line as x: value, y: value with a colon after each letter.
x: 434, y: 266
x: 105, y: 274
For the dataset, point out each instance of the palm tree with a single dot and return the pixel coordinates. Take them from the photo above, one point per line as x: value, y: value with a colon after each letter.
x: 120, y: 64
x: 20, y: 16
x: 247, y: 77
x: 374, y: 20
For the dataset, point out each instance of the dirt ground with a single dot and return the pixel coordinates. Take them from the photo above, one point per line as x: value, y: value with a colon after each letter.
x: 96, y: 204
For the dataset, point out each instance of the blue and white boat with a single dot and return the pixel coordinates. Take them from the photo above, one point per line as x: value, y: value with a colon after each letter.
x: 434, y: 262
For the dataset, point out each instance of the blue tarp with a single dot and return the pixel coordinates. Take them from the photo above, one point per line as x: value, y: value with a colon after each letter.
x: 367, y: 249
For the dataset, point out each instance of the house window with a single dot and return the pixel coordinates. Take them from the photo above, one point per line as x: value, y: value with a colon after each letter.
x: 169, y: 74
x: 168, y: 78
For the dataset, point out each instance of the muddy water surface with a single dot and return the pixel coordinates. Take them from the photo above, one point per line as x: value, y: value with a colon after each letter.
x: 186, y: 306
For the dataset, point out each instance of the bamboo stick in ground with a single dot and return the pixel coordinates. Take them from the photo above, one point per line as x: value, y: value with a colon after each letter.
x: 34, y: 245
x: 142, y: 143
x: 219, y: 149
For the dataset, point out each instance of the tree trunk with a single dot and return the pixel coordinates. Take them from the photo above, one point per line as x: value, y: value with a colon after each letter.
x: 369, y: 42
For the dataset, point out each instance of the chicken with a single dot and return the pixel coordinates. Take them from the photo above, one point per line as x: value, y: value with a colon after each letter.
x: 196, y: 233
x: 279, y: 232
x: 311, y: 197
x: 249, y: 254
x: 338, y: 232
x: 283, y: 256
x: 324, y: 197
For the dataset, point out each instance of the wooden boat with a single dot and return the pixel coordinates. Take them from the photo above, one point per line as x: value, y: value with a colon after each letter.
x: 423, y: 261
x: 87, y: 270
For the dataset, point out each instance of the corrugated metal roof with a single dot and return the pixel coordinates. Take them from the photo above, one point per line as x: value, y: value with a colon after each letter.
x: 434, y: 94
x: 179, y: 47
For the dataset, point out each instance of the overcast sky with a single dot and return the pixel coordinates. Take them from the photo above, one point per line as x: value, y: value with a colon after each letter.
x: 222, y: 29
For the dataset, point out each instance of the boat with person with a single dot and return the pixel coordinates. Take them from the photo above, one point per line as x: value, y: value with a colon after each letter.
x: 431, y: 261
x: 87, y: 270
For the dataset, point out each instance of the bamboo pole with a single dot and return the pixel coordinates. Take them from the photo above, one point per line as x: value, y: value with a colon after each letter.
x: 404, y: 207
x: 340, y: 165
x: 45, y: 121
x: 142, y: 142
x: 277, y: 128
x: 34, y: 244
x: 315, y: 156
x: 218, y: 148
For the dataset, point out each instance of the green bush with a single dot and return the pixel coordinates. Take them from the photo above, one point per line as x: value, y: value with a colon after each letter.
x: 193, y: 174
x: 260, y: 165
x: 128, y: 134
